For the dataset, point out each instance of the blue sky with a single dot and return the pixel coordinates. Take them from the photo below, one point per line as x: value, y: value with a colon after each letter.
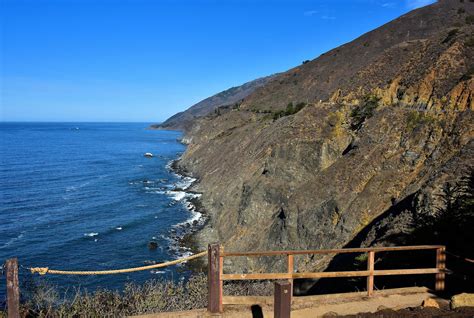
x: 144, y: 60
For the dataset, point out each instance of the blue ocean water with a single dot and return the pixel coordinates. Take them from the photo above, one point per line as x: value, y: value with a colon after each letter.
x: 82, y: 196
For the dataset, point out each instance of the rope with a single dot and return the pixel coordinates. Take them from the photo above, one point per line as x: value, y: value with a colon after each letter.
x: 460, y: 257
x: 46, y: 270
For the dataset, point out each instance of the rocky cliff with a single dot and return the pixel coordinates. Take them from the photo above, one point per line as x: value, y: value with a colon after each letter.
x: 313, y: 157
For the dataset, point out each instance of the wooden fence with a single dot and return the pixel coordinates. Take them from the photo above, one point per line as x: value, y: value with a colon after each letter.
x: 283, y: 290
x: 216, y: 276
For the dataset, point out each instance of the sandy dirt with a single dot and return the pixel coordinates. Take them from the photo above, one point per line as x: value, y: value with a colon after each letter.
x: 404, y: 302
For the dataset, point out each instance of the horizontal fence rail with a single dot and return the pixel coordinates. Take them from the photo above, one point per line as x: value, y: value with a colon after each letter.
x: 335, y: 251
x: 217, y: 277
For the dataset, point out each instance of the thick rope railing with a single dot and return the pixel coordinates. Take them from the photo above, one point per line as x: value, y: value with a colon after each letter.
x: 46, y: 270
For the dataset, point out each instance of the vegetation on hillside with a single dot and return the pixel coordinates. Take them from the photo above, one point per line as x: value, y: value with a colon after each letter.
x: 452, y: 224
x: 40, y: 299
x: 290, y: 110
x: 364, y: 111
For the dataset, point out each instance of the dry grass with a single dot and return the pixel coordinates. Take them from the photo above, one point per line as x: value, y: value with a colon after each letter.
x: 41, y: 299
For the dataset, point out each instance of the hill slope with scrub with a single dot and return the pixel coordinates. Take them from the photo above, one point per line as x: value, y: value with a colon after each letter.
x: 315, y: 156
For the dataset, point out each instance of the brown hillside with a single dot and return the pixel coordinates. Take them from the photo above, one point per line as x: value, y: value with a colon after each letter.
x: 388, y: 118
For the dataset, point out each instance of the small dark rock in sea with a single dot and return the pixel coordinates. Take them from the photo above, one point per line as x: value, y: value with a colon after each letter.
x: 152, y: 245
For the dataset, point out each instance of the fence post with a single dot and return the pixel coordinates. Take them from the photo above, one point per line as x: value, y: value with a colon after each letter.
x: 441, y: 265
x: 214, y: 304
x: 13, y: 289
x: 282, y: 300
x: 291, y: 268
x: 370, y: 268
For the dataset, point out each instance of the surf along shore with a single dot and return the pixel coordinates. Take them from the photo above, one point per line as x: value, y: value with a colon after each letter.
x: 184, y: 236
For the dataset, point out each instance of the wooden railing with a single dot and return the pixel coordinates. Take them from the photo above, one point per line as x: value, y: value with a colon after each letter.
x: 216, y: 275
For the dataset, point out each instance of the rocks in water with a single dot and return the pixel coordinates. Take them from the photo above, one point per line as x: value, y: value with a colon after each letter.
x: 148, y: 155
x: 152, y: 245
x: 462, y: 300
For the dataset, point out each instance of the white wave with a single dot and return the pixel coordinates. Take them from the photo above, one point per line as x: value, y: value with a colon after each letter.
x: 195, y: 216
x: 177, y: 195
x: 185, y: 182
x: 91, y: 234
x: 77, y: 187
x: 157, y: 272
x: 119, y: 228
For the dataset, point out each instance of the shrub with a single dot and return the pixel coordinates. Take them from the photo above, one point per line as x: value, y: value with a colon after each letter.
x: 461, y: 10
x: 470, y: 19
x: 42, y: 300
x: 469, y: 41
x: 364, y: 111
x: 306, y: 61
x: 290, y: 110
x: 450, y: 36
x: 416, y: 118
x: 451, y: 224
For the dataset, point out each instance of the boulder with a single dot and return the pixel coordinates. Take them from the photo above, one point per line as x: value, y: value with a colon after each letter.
x: 462, y: 300
x: 152, y: 245
x: 430, y: 302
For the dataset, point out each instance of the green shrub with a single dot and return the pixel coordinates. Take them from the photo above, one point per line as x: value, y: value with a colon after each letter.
x: 470, y: 19
x: 461, y: 10
x: 469, y: 41
x: 416, y: 119
x: 450, y: 36
x: 361, y: 258
x: 290, y: 110
x: 364, y: 111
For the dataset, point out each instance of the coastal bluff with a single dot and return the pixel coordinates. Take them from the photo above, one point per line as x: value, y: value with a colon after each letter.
x: 349, y: 149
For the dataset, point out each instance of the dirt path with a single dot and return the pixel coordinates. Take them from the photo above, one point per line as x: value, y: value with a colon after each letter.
x: 317, y: 306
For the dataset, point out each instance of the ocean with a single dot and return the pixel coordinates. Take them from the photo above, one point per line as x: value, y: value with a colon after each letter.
x: 82, y: 196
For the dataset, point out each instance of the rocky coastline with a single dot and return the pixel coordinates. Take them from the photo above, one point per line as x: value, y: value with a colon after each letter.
x: 186, y: 235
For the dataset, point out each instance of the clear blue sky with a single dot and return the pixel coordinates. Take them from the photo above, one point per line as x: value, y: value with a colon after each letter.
x: 144, y: 60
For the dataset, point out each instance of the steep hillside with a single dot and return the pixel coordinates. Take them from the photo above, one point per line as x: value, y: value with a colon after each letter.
x: 313, y: 157
x: 184, y: 120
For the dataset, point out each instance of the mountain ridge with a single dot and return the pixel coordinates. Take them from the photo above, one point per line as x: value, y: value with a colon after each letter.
x: 310, y: 159
x: 185, y: 119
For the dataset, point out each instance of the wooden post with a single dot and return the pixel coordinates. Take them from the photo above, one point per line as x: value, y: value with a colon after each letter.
x: 370, y: 268
x: 282, y: 300
x: 441, y: 265
x: 13, y: 289
x: 214, y: 304
x: 291, y: 268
